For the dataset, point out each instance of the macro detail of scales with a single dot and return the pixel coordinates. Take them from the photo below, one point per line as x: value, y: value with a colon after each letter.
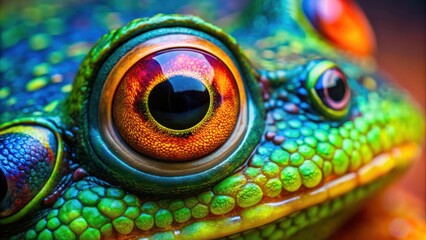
x: 261, y: 119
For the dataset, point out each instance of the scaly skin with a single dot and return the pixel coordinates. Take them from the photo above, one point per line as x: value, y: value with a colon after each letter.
x: 299, y: 172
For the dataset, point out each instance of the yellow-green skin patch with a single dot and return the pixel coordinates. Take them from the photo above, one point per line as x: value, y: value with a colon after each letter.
x: 249, y: 195
x: 36, y: 84
x: 39, y: 41
x: 311, y: 174
x: 4, y: 92
x: 291, y: 179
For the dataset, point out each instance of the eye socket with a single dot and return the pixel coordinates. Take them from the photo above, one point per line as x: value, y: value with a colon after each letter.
x: 212, y: 137
x: 30, y: 157
x: 341, y: 22
x: 146, y: 133
x: 176, y: 104
x: 328, y: 89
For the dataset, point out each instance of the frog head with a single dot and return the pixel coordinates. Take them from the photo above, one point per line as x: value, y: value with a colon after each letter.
x: 176, y: 130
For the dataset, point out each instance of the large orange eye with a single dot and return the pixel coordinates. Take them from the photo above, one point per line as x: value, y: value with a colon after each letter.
x: 343, y: 23
x: 166, y: 106
x: 173, y: 105
x: 176, y: 104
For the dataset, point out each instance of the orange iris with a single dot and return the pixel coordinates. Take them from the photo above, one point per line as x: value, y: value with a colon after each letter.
x: 343, y: 23
x: 176, y: 104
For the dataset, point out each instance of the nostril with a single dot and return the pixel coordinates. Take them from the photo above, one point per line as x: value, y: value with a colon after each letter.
x: 3, y: 186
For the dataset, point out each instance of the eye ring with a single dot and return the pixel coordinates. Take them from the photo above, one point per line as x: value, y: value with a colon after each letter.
x: 328, y: 89
x: 141, y: 162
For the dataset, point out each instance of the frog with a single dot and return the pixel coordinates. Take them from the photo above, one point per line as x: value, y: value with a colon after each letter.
x: 194, y: 119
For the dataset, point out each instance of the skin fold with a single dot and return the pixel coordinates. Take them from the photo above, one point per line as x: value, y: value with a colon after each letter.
x: 294, y: 166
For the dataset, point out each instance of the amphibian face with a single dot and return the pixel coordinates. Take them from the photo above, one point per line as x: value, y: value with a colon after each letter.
x: 169, y: 128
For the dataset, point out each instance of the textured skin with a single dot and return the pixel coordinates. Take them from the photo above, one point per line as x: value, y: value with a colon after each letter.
x: 24, y: 153
x: 296, y: 171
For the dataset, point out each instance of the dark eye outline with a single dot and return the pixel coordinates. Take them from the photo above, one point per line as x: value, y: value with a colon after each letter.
x: 83, y: 107
x: 316, y: 71
x: 55, y: 176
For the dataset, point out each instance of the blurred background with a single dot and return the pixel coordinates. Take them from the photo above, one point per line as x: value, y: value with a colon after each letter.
x: 399, y: 213
x: 400, y: 34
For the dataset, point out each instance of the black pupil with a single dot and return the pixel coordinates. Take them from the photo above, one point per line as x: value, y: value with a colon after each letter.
x: 337, y: 91
x: 3, y: 186
x: 332, y: 82
x: 179, y: 102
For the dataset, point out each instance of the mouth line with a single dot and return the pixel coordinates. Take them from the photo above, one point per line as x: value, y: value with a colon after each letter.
x: 267, y: 212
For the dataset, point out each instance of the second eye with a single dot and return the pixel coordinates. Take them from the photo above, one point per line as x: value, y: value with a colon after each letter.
x: 328, y: 89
